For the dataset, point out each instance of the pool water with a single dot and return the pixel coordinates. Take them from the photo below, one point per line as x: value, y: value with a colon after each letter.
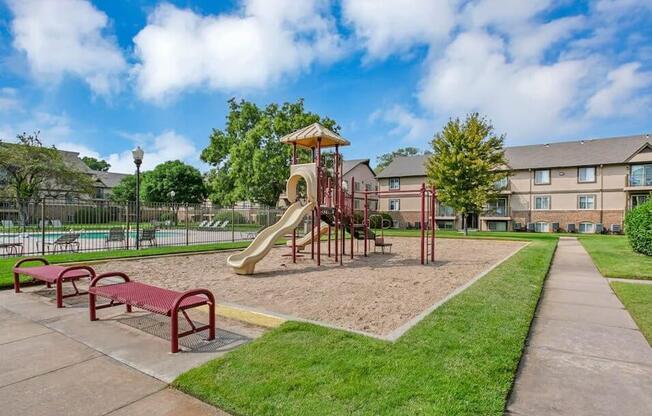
x: 92, y: 235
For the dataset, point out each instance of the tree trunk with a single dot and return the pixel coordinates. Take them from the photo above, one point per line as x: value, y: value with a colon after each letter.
x: 465, y: 224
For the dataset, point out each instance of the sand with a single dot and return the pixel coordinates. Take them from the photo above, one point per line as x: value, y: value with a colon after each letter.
x: 374, y: 294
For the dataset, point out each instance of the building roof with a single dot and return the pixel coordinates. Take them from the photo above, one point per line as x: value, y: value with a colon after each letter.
x: 608, y: 151
x: 110, y: 179
x: 349, y: 165
x: 405, y: 166
x: 308, y: 136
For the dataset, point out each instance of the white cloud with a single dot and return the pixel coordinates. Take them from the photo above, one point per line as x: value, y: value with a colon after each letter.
x: 168, y: 145
x: 504, y: 14
x: 252, y: 48
x: 66, y: 37
x: 407, y: 125
x: 522, y: 99
x: 9, y: 99
x: 620, y: 95
x: 392, y: 26
x: 53, y: 128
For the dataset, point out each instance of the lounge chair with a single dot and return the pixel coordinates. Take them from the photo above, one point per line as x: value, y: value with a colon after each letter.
x: 7, y: 224
x: 66, y: 242
x: 56, y: 223
x: 42, y: 223
x: 224, y: 224
x: 116, y: 235
x: 203, y: 224
x: 210, y: 225
x: 12, y: 247
x: 148, y: 235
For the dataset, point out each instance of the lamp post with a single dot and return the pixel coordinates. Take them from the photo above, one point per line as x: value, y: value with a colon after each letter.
x: 174, y: 210
x: 138, y: 154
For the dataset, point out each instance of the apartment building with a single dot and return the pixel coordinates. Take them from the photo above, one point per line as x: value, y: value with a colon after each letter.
x: 364, y: 180
x: 583, y: 185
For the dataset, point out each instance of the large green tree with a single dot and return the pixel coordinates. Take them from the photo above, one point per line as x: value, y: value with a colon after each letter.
x: 31, y: 171
x: 468, y: 160
x: 125, y: 191
x: 249, y: 162
x: 184, y: 180
x: 96, y: 164
x: 386, y: 159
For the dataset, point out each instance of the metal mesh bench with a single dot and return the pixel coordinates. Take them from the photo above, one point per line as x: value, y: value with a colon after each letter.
x: 156, y: 300
x: 50, y: 274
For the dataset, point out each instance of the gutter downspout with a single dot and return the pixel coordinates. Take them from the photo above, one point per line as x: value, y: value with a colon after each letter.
x: 602, y: 195
x: 529, y: 207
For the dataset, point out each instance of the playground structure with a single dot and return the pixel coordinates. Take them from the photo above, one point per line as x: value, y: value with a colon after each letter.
x: 330, y: 202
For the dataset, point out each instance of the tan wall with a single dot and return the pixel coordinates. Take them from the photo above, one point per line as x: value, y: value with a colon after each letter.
x: 408, y: 203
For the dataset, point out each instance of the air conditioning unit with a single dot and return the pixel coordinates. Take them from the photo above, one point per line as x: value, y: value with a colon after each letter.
x: 530, y: 227
x: 615, y: 229
x: 571, y: 228
x: 555, y: 227
x: 599, y: 228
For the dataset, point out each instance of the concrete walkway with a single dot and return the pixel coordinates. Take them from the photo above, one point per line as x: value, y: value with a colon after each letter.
x: 56, y: 362
x: 585, y: 355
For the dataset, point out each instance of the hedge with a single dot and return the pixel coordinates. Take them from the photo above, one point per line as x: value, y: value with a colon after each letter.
x: 638, y: 227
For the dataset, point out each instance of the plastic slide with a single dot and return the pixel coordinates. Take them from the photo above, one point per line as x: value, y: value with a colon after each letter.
x: 307, y: 239
x: 245, y: 261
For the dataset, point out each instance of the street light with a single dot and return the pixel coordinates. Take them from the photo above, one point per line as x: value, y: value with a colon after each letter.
x: 174, y: 210
x: 138, y: 154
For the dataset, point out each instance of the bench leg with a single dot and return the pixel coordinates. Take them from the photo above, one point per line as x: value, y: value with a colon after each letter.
x: 16, y: 282
x: 91, y: 307
x: 211, y: 321
x: 174, y: 331
x: 59, y: 293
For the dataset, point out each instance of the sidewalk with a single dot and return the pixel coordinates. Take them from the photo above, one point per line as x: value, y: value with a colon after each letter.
x: 585, y: 355
x: 56, y: 362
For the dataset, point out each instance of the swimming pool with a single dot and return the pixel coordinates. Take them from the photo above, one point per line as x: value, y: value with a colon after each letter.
x: 89, y: 235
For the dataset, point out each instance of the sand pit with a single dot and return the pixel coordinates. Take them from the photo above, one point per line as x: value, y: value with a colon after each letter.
x: 375, y: 294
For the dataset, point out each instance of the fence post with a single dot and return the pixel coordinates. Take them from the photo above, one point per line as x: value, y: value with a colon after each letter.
x: 127, y: 222
x: 187, y: 224
x: 232, y: 223
x: 43, y: 227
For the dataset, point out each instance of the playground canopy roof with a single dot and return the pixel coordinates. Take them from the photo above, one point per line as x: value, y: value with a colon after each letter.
x: 309, y: 135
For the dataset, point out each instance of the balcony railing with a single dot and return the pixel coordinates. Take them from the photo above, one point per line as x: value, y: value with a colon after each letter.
x: 637, y: 181
x: 497, y: 212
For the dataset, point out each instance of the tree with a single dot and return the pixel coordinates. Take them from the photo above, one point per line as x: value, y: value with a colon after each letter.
x: 249, y: 162
x: 125, y: 191
x: 386, y: 159
x: 31, y: 172
x: 175, y: 176
x: 96, y: 164
x: 468, y: 159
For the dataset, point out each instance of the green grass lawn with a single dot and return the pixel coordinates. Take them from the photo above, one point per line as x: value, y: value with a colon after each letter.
x: 614, y: 257
x: 460, y: 360
x: 638, y: 301
x: 6, y: 264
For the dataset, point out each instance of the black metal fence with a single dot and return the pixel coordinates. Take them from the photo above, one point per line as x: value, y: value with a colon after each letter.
x: 50, y: 226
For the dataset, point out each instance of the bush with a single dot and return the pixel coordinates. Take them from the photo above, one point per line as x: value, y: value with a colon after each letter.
x: 638, y: 227
x: 233, y: 217
x: 375, y: 219
x: 96, y: 215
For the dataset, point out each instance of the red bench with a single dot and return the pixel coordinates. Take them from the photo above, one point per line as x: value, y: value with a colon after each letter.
x: 52, y: 274
x: 153, y: 299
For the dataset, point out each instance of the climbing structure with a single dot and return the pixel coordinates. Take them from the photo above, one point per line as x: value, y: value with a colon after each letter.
x: 330, y: 203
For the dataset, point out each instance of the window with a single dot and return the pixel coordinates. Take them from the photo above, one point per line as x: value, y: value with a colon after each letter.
x: 542, y: 202
x: 444, y: 211
x: 501, y: 183
x: 356, y: 204
x: 368, y: 187
x: 542, y: 177
x: 497, y: 208
x: 586, y: 202
x: 497, y: 225
x: 639, y: 199
x: 394, y: 183
x: 541, y: 227
x: 640, y: 175
x: 586, y: 174
x: 587, y: 227
x: 357, y: 186
x: 394, y: 204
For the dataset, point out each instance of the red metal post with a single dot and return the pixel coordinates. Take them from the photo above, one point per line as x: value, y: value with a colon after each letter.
x: 433, y: 213
x: 336, y: 190
x: 423, y: 219
x: 319, y: 202
x: 352, y: 222
x: 329, y: 192
x: 366, y: 222
x: 294, y: 231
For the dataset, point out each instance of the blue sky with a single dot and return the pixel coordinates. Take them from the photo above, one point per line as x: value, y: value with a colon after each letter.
x: 101, y: 76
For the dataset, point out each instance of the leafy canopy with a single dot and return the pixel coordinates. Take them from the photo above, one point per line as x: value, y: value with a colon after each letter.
x: 386, y: 159
x: 249, y: 162
x: 468, y: 159
x: 638, y: 223
x: 96, y: 164
x: 175, y: 176
x: 125, y: 190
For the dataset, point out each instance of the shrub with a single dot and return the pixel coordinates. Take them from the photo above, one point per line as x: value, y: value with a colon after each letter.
x: 375, y: 222
x: 638, y: 227
x: 96, y: 215
x: 234, y: 217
